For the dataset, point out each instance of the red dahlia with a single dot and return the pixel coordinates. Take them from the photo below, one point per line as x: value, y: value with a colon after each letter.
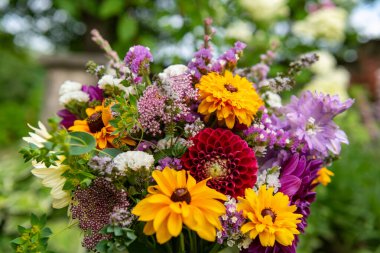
x: 224, y: 156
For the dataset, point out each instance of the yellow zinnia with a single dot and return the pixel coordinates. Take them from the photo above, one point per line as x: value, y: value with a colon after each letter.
x: 324, y: 176
x: 176, y: 200
x: 97, y: 124
x: 231, y: 97
x: 269, y: 216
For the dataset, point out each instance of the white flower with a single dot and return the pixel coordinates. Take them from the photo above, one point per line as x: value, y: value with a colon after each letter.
x: 133, y: 160
x: 128, y: 90
x: 334, y: 83
x: 240, y: 30
x: 328, y: 24
x: 79, y: 96
x: 39, y: 137
x: 69, y: 86
x: 109, y: 80
x: 173, y: 70
x: 265, y: 10
x: 169, y: 142
x: 272, y: 99
x: 326, y: 63
x: 52, y: 178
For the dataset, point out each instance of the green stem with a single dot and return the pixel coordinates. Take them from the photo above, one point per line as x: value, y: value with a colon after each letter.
x: 168, y: 247
x: 182, y: 243
x: 215, y: 248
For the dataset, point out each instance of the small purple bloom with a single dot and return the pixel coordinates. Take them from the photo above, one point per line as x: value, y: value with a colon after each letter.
x: 138, y: 59
x: 170, y: 162
x: 67, y: 118
x: 94, y: 92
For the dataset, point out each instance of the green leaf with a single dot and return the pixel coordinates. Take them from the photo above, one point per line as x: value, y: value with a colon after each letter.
x: 111, y: 8
x: 81, y: 143
x: 112, y: 151
x: 118, y: 231
x: 34, y: 219
x: 46, y: 232
x: 17, y: 241
x: 126, y: 28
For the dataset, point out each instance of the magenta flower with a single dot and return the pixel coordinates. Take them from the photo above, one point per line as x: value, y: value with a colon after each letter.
x: 138, y: 59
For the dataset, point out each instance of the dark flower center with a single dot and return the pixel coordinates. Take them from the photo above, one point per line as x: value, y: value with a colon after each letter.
x: 230, y: 87
x: 268, y: 211
x: 181, y: 194
x: 95, y: 122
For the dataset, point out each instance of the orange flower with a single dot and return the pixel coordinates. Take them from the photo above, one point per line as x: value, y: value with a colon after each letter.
x: 97, y: 124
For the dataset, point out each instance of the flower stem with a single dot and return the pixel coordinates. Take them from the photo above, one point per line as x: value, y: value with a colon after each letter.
x: 182, y: 243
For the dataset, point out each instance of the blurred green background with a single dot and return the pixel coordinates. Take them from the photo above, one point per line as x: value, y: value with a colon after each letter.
x: 345, y: 217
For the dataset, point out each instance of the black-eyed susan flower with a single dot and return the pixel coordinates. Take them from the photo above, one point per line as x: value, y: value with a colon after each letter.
x: 98, y: 125
x: 269, y: 216
x: 230, y: 97
x: 178, y: 200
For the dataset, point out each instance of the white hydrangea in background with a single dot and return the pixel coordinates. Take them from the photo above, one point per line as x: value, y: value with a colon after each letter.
x: 327, y: 23
x: 265, y: 10
x: 325, y: 64
x: 133, y: 160
x: 240, y: 30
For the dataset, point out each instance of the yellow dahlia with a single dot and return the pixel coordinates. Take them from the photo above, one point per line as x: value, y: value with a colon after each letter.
x: 178, y: 200
x: 97, y: 124
x: 231, y: 97
x: 269, y: 216
x: 324, y: 176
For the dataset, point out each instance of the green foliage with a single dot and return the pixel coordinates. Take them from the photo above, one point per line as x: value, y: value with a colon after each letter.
x: 33, y: 239
x: 121, y: 239
x: 81, y: 143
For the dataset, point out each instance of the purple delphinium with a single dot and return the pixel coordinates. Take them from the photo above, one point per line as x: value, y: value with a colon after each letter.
x: 310, y: 120
x: 68, y: 118
x: 229, y: 59
x: 170, y: 162
x: 138, y: 59
x: 94, y: 92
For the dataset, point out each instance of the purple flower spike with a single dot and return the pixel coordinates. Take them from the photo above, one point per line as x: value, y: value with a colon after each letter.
x: 138, y: 59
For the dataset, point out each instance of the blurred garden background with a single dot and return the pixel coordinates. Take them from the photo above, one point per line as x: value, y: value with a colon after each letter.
x: 44, y: 42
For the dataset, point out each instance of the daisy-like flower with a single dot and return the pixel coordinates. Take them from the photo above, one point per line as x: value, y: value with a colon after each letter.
x: 97, y: 124
x: 178, y: 200
x: 269, y: 216
x: 324, y: 176
x: 231, y: 97
x: 39, y: 137
x: 223, y: 156
x: 52, y: 178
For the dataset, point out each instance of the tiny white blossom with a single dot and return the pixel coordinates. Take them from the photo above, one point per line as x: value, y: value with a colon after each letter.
x: 234, y: 219
x: 173, y: 70
x: 133, y: 160
x: 109, y: 80
x: 79, y: 96
x: 69, y: 86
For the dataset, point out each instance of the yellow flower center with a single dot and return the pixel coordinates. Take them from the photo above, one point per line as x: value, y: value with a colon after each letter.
x: 268, y: 211
x: 181, y: 194
x: 95, y: 122
x: 230, y: 87
x: 216, y: 168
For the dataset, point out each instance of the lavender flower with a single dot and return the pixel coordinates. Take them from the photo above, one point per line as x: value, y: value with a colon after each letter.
x: 138, y: 58
x: 310, y: 120
x: 229, y: 59
x: 170, y: 162
x: 199, y: 65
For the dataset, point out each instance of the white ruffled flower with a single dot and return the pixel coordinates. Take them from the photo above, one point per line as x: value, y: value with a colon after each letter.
x: 39, y: 137
x: 109, y: 80
x: 169, y: 142
x: 272, y: 99
x: 325, y: 64
x: 173, y: 70
x: 328, y: 24
x: 69, y: 86
x: 264, y: 10
x: 52, y: 178
x: 240, y: 30
x: 79, y: 96
x: 133, y: 160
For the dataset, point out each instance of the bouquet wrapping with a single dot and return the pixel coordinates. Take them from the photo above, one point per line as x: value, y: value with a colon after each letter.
x: 202, y: 157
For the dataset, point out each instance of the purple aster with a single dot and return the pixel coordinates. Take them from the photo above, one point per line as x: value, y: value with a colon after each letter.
x: 68, y: 118
x: 94, y: 92
x: 138, y: 59
x: 310, y: 120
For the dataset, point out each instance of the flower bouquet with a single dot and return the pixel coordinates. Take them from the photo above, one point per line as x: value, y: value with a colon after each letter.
x: 198, y: 158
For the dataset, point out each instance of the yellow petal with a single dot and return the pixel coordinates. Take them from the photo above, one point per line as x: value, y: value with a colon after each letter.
x: 175, y: 224
x: 161, y: 216
x: 148, y: 228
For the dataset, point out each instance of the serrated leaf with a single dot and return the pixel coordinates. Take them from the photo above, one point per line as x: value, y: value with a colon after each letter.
x: 81, y: 143
x: 126, y: 28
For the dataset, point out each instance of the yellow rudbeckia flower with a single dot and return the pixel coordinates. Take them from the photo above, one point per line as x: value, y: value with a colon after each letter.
x: 178, y: 200
x: 269, y: 216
